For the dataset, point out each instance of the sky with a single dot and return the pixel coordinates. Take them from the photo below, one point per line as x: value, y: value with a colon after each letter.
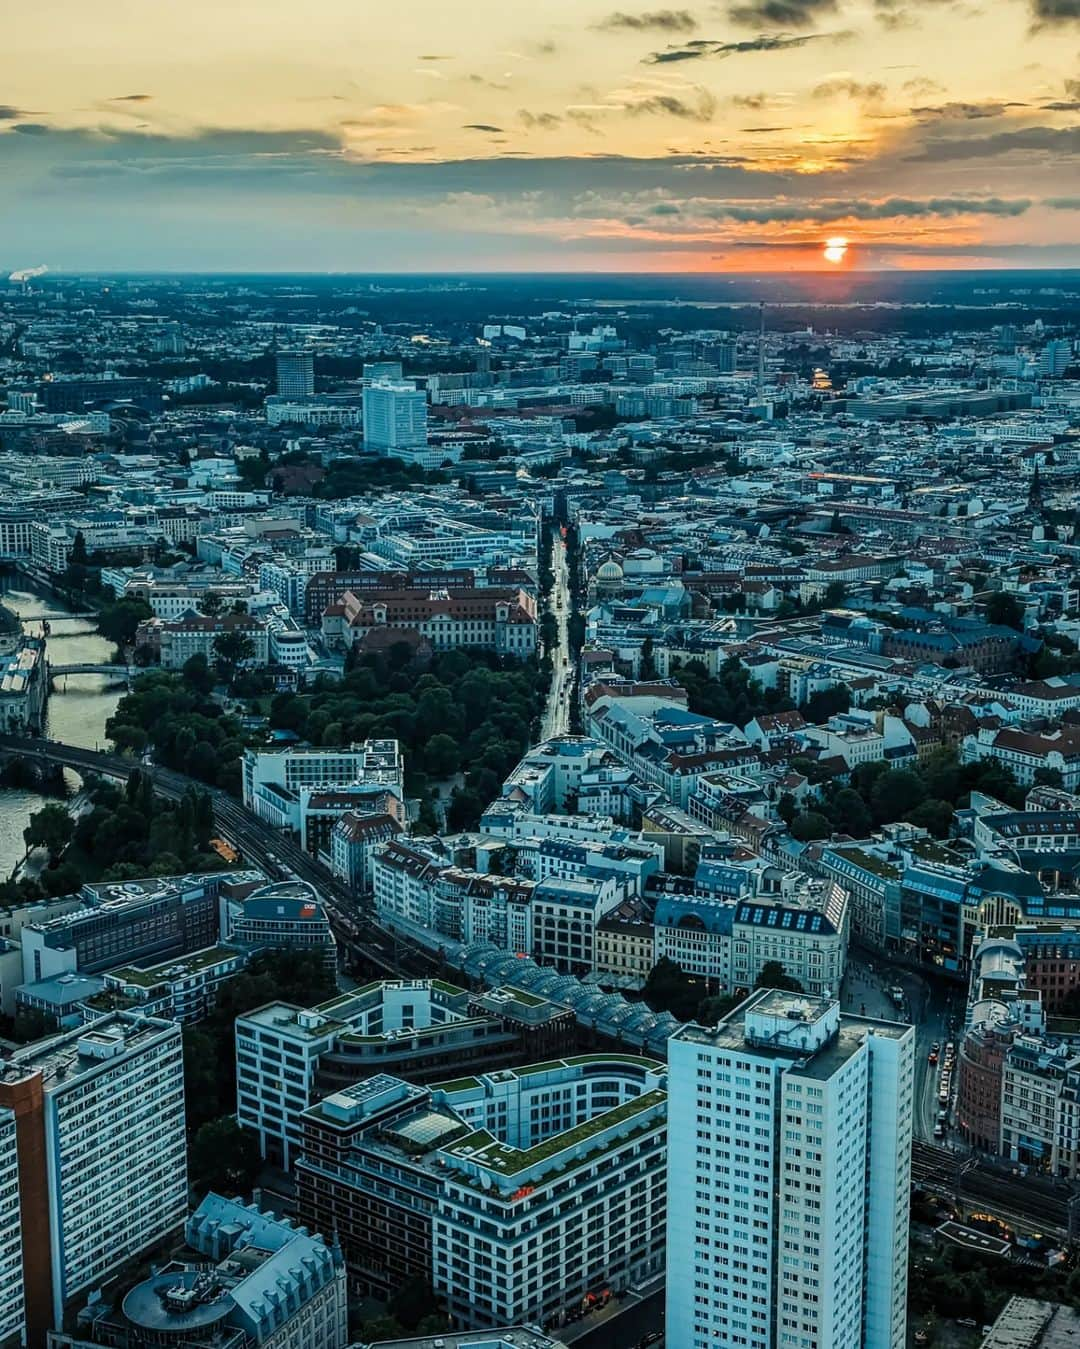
x: 562, y: 135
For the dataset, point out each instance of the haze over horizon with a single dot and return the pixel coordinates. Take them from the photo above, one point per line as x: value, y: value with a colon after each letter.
x: 754, y: 135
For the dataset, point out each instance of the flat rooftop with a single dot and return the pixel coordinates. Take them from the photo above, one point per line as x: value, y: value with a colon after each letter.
x: 513, y: 1337
x: 736, y: 1032
x: 1027, y: 1323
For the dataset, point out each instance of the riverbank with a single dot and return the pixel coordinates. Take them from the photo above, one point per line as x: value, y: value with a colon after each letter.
x: 78, y: 709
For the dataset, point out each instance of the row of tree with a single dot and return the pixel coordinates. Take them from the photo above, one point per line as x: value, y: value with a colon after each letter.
x: 175, y: 714
x: 926, y: 794
x: 471, y: 712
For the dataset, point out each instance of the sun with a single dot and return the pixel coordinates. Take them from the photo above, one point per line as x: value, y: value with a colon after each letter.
x: 835, y: 249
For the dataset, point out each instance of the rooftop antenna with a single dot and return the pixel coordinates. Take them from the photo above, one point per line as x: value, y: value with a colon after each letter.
x: 761, y: 350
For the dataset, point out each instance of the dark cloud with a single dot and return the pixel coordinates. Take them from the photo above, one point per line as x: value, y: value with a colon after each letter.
x: 1072, y: 88
x: 480, y: 126
x: 1063, y: 203
x: 132, y: 98
x: 700, y: 110
x: 651, y: 21
x: 891, y: 208
x: 1046, y: 12
x: 10, y: 114
x: 753, y: 102
x: 1063, y: 141
x: 849, y: 88
x: 484, y: 83
x: 539, y: 121
x: 965, y: 112
x: 1073, y: 105
x: 782, y: 13
x: 436, y: 58
x: 764, y: 42
x: 31, y: 128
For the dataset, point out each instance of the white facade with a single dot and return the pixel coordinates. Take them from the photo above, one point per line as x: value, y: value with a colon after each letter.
x: 395, y: 417
x: 12, y: 1302
x: 789, y: 1145
x: 373, y: 761
x: 115, y: 1145
x: 558, y: 1192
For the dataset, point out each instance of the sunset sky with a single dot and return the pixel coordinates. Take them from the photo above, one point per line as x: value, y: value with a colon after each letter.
x: 428, y: 135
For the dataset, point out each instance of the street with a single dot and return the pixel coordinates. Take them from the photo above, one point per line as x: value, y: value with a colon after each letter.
x: 556, y: 718
x: 926, y: 1005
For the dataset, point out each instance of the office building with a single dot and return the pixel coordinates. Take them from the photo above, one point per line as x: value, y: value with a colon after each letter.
x: 285, y: 914
x: 789, y: 1144
x: 131, y: 922
x: 251, y: 1281
x: 288, y: 771
x: 520, y: 1195
x: 12, y: 1301
x: 102, y: 1155
x: 395, y: 418
x: 295, y: 374
x: 289, y: 1057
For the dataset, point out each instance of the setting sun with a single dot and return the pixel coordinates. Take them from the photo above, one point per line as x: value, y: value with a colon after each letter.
x: 835, y: 249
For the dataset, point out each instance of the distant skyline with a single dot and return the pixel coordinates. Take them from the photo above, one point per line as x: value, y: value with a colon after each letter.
x: 435, y: 136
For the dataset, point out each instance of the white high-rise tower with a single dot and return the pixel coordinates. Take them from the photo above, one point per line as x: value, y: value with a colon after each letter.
x: 789, y: 1162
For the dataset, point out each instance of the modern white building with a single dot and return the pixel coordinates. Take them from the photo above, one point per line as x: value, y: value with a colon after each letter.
x: 395, y: 419
x: 12, y: 1302
x: 789, y: 1147
x: 524, y: 1195
x: 103, y: 1155
x: 290, y: 770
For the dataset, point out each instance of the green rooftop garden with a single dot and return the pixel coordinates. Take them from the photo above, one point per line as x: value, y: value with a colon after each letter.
x: 869, y: 862
x: 503, y: 1160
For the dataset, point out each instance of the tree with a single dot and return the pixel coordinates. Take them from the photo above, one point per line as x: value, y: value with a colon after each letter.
x: 414, y: 1301
x: 668, y: 989
x: 773, y: 975
x: 119, y: 622
x: 935, y: 815
x: 51, y: 828
x: 441, y: 756
x: 224, y: 1157
x: 381, y: 1328
x: 79, y: 556
x: 212, y: 603
x: 895, y: 795
x: 196, y: 674
x: 1004, y: 610
x: 809, y: 826
x: 850, y: 813
x: 233, y: 648
x: 826, y: 703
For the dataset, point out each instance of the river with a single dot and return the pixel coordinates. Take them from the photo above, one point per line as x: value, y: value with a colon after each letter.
x: 78, y: 709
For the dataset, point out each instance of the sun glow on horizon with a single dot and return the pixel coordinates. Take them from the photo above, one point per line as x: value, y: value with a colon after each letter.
x: 835, y: 250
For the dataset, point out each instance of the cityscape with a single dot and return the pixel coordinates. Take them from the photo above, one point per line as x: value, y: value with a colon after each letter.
x: 540, y: 676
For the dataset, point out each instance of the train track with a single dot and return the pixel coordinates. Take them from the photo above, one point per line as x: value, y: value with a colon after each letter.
x: 1039, y: 1203
x: 355, y: 929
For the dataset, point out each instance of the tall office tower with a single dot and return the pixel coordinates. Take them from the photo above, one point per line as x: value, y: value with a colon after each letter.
x: 101, y: 1153
x: 295, y: 374
x: 789, y: 1161
x: 12, y: 1302
x: 395, y: 417
x: 1055, y: 358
